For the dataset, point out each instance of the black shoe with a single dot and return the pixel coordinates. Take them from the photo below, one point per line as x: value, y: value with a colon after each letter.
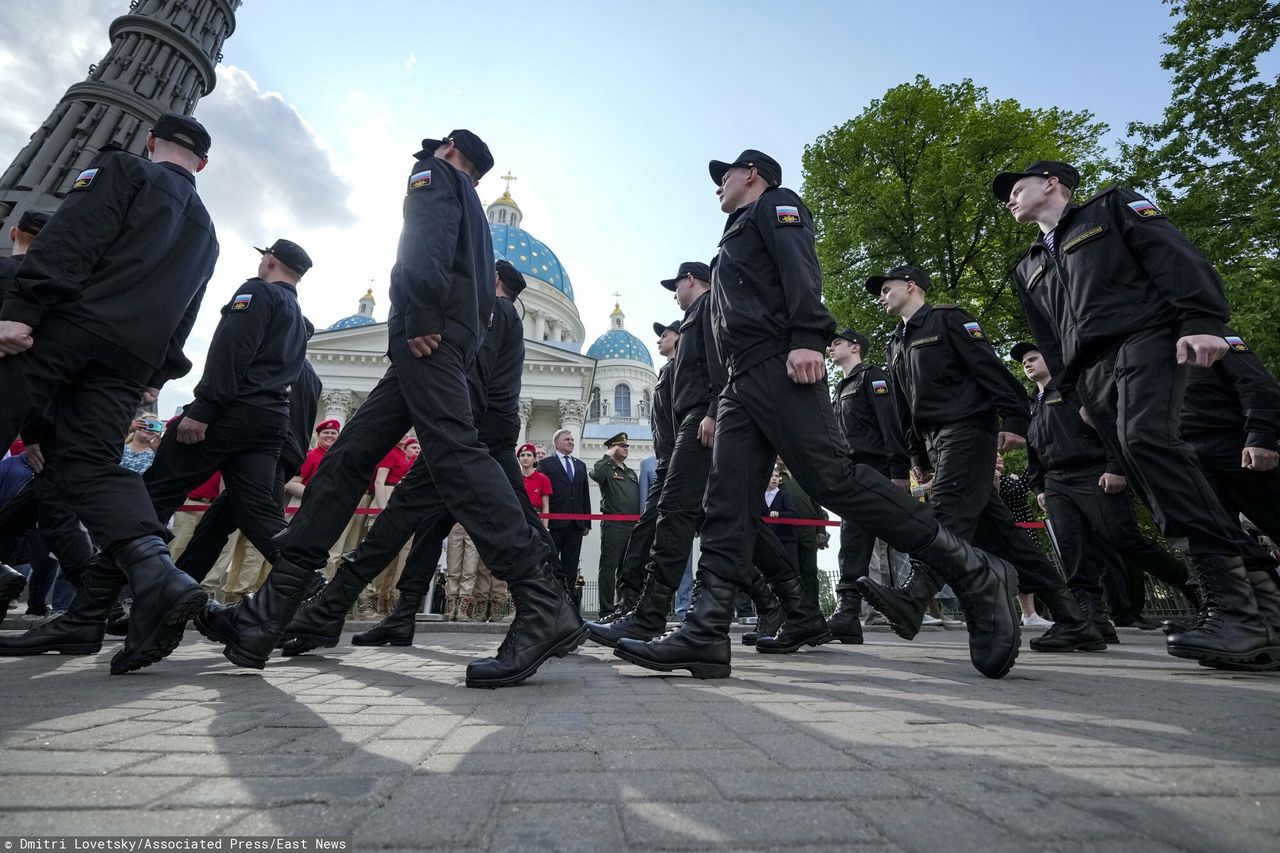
x: 1233, y: 633
x: 701, y: 643
x: 804, y: 625
x: 80, y: 630
x: 164, y: 598
x: 12, y: 583
x: 397, y: 628
x: 1142, y: 623
x: 318, y: 622
x: 647, y: 620
x: 1073, y: 629
x: 1095, y: 610
x: 770, y: 614
x: 250, y: 628
x: 904, y: 606
x: 546, y: 624
x: 845, y: 625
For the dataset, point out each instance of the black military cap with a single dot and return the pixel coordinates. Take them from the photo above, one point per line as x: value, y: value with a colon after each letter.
x: 510, y: 277
x: 854, y: 337
x: 32, y: 221
x: 1064, y: 172
x: 290, y: 254
x: 183, y: 130
x: 763, y: 163
x: 620, y: 438
x: 1020, y: 350
x: 471, y: 146
x: 660, y: 330
x: 906, y: 272
x: 697, y: 269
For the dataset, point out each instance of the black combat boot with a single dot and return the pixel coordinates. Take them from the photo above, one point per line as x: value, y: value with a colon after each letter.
x: 251, y: 628
x: 12, y: 583
x: 803, y: 626
x: 80, y: 630
x: 845, y: 624
x: 318, y: 622
x: 164, y: 598
x: 648, y: 619
x: 546, y: 624
x: 397, y: 628
x: 1095, y: 610
x: 701, y: 643
x: 904, y: 605
x: 1073, y: 630
x: 769, y: 611
x: 1234, y: 633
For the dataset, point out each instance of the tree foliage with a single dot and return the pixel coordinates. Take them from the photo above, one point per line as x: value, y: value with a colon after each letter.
x: 909, y: 181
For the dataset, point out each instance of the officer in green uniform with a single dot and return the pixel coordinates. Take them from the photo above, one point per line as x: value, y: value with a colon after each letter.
x: 619, y: 495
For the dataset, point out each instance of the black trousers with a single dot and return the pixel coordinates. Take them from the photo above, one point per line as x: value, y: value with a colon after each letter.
x: 90, y: 402
x: 568, y: 549
x: 965, y: 499
x: 244, y: 444
x: 1256, y: 494
x: 38, y: 505
x: 857, y: 541
x: 1135, y: 396
x: 635, y: 557
x: 431, y: 395
x: 762, y: 412
x: 218, y: 522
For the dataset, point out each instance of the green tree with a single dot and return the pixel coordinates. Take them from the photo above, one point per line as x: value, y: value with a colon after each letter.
x: 909, y: 181
x: 1212, y: 163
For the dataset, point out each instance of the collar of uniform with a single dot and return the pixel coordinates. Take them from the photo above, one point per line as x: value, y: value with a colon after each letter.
x: 175, y: 168
x: 857, y: 369
x: 918, y: 318
x: 733, y: 217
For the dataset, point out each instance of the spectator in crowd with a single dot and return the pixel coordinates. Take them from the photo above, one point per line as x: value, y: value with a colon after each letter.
x: 141, y: 443
x: 1015, y: 491
x: 462, y: 564
x: 568, y: 476
x: 536, y: 484
x: 619, y: 495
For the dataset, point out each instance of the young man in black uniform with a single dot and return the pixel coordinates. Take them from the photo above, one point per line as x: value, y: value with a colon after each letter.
x: 110, y: 291
x: 869, y: 420
x: 1083, y: 489
x: 695, y: 382
x: 1120, y: 303
x: 442, y: 296
x: 959, y: 407
x: 770, y: 330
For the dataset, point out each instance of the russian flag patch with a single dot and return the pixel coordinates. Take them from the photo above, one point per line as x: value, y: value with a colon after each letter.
x: 1237, y: 344
x: 788, y: 214
x: 84, y: 179
x: 1144, y: 208
x: 241, y: 301
x: 418, y: 180
x: 974, y: 330
x: 879, y: 387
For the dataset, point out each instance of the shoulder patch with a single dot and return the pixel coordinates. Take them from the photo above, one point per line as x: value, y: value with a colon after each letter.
x: 420, y: 180
x: 85, y: 179
x: 879, y: 387
x: 241, y: 301
x: 788, y: 214
x: 1237, y: 343
x: 974, y: 330
x: 1144, y: 208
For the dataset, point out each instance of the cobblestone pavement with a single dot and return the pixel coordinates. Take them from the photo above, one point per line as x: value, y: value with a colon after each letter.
x: 887, y: 746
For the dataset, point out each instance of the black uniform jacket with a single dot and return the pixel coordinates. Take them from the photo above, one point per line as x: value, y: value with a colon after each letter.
x: 660, y: 419
x: 256, y: 353
x: 126, y: 257
x: 1120, y: 267
x: 766, y: 292
x: 1232, y: 405
x: 304, y: 399
x: 869, y: 419
x: 442, y: 283
x: 1060, y: 442
x: 945, y: 372
x: 8, y: 271
x: 698, y: 375
x: 494, y: 376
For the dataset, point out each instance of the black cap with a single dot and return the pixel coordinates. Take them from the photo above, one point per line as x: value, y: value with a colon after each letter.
x: 1066, y: 174
x: 510, y: 277
x: 290, y: 254
x: 854, y: 337
x: 763, y: 163
x: 906, y: 272
x: 660, y: 330
x: 697, y: 269
x: 32, y: 221
x: 1020, y: 350
x: 183, y: 130
x: 471, y: 146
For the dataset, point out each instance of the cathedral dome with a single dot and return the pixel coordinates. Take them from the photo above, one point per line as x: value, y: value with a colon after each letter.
x: 529, y: 255
x: 362, y: 317
x: 619, y: 343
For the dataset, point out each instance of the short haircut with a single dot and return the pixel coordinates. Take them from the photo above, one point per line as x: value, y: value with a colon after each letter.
x: 559, y: 433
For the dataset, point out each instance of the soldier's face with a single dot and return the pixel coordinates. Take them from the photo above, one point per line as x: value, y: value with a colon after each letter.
x: 1028, y: 196
x: 733, y: 188
x: 893, y: 295
x: 667, y: 344
x: 685, y: 295
x: 839, y: 349
x: 1034, y: 367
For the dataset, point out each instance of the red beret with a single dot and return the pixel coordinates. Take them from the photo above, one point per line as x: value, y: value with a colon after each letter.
x: 529, y: 447
x: 329, y: 424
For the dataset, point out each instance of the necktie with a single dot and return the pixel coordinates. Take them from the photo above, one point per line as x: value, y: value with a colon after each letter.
x: 568, y: 467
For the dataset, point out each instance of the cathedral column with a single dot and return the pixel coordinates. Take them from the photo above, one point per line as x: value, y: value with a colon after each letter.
x: 339, y: 404
x: 572, y: 415
x: 539, y: 325
x: 526, y: 415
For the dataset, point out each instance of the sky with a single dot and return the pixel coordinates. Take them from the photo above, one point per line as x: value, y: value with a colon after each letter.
x: 607, y: 113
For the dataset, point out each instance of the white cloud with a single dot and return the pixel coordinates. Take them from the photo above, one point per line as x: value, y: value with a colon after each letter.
x: 411, y: 62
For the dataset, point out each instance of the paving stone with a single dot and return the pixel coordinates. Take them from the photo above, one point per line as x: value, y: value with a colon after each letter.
x: 69, y: 792
x: 469, y: 803
x: 609, y: 787
x: 267, y: 791
x: 94, y: 821
x: 689, y: 826
x: 817, y: 784
x: 557, y: 827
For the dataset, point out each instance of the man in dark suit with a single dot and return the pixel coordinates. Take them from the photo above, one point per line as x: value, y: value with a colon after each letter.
x: 569, y: 484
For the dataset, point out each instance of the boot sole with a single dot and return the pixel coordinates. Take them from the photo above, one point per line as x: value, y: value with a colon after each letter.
x: 612, y: 642
x: 165, y: 638
x: 315, y: 641
x: 697, y: 670
x: 774, y: 649
x: 847, y: 639
x: 1261, y: 660
x: 898, y: 622
x: 62, y: 649
x: 398, y: 641
x: 1091, y: 646
x: 1009, y: 579
x: 559, y: 650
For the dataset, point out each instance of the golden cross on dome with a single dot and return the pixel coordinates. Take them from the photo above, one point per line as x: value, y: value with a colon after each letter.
x: 617, y: 300
x: 508, y: 177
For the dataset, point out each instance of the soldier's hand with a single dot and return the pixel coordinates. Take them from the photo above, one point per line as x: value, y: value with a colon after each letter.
x: 34, y: 457
x: 15, y: 337
x: 1200, y: 350
x: 1009, y: 441
x: 191, y: 431
x: 922, y: 476
x: 1113, y: 484
x: 1259, y: 459
x: 824, y: 540
x: 1040, y: 500
x: 423, y: 345
x: 905, y: 485
x: 707, y: 431
x: 806, y: 366
x: 150, y: 395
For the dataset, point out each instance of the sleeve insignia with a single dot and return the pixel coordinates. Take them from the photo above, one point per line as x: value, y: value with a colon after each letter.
x: 788, y: 214
x: 1237, y: 344
x: 241, y: 302
x: 974, y: 330
x: 419, y: 180
x: 1144, y: 208
x: 879, y: 387
x: 84, y: 179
